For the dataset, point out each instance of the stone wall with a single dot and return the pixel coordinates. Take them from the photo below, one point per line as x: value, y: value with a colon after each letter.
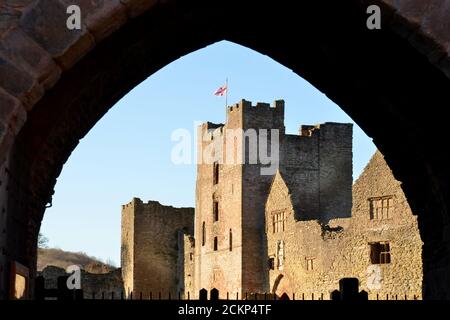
x: 94, y: 285
x: 221, y: 269
x: 185, y: 265
x: 150, y: 244
x: 316, y: 255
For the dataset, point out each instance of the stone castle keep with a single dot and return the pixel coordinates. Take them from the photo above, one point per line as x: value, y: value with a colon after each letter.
x: 297, y: 230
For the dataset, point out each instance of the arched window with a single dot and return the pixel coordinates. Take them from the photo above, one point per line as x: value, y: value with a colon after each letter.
x: 231, y: 240
x: 203, y: 233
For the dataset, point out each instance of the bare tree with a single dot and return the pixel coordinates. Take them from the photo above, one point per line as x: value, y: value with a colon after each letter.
x: 42, y: 241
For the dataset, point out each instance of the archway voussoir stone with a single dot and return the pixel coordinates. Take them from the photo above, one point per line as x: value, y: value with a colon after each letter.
x: 19, y: 83
x: 45, y: 22
x: 101, y: 18
x: 12, y: 114
x: 425, y: 25
x: 23, y: 51
x: 137, y: 7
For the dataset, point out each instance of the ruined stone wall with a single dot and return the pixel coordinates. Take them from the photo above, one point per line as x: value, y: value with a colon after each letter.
x: 94, y: 285
x: 127, y: 245
x: 155, y: 247
x: 255, y: 189
x: 185, y: 264
x: 335, y: 170
x: 341, y: 247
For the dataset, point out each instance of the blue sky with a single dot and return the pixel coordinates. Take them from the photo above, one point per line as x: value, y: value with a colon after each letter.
x: 128, y: 152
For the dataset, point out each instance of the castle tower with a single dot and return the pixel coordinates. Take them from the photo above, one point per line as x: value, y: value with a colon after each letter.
x: 231, y: 192
x: 233, y: 184
x: 150, y: 248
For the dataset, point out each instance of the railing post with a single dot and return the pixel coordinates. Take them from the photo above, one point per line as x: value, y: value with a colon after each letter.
x: 159, y: 295
x: 293, y: 296
x: 112, y: 295
x: 151, y: 295
x: 93, y: 295
x: 103, y: 296
x: 303, y: 296
x: 312, y: 296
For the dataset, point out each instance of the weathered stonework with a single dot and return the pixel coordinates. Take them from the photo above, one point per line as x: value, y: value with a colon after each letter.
x: 316, y: 255
x: 296, y: 232
x: 150, y: 247
x: 94, y: 285
x: 231, y: 250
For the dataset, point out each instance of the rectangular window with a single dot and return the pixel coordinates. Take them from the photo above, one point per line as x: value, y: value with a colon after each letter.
x: 216, y: 211
x: 216, y: 173
x: 278, y: 221
x: 309, y: 264
x: 380, y: 253
x: 215, y: 244
x: 381, y: 207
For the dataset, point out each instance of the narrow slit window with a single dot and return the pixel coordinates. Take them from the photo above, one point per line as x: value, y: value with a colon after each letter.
x: 215, y: 244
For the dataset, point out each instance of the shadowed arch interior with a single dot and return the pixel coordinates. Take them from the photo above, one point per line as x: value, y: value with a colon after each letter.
x: 388, y: 87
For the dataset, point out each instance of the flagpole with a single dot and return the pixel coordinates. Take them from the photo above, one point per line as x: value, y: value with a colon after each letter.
x: 226, y: 95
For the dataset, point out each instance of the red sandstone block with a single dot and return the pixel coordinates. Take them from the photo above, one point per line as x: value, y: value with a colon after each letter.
x: 412, y: 10
x: 23, y: 51
x: 12, y: 113
x: 437, y: 24
x: 101, y: 17
x: 45, y: 22
x: 19, y: 83
x: 137, y: 7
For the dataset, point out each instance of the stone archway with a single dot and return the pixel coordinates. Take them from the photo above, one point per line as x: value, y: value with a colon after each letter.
x: 56, y: 84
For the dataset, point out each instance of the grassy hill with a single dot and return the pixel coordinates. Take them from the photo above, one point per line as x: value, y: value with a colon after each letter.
x: 63, y: 259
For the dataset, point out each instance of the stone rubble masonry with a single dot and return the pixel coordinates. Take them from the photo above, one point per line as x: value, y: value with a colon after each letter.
x: 319, y: 163
x: 150, y: 247
x: 341, y: 248
x: 94, y: 285
x: 327, y: 221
